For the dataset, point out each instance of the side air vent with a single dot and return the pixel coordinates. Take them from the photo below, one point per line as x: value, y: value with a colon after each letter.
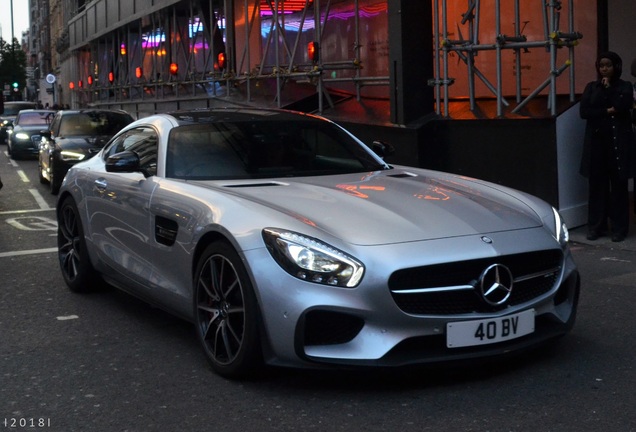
x: 165, y: 230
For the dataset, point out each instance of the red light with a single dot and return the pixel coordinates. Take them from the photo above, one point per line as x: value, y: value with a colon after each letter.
x: 90, y: 80
x: 313, y: 49
x: 174, y: 68
x: 71, y: 85
x: 221, y: 60
x: 80, y: 83
x: 288, y: 6
x: 139, y: 72
x: 111, y: 77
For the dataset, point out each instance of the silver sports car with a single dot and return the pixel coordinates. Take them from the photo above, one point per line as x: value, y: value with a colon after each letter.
x: 287, y: 241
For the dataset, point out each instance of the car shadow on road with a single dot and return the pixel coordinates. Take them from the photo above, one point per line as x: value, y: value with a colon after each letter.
x: 409, y: 377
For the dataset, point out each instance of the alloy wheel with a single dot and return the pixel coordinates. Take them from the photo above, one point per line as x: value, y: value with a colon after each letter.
x: 221, y: 310
x: 69, y: 242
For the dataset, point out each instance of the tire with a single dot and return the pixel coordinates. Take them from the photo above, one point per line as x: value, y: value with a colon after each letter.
x: 226, y: 313
x: 54, y: 183
x: 77, y: 270
x: 40, y: 176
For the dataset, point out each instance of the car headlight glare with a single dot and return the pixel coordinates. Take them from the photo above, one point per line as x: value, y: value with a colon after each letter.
x: 71, y: 156
x: 22, y: 136
x: 311, y: 260
x: 561, y: 230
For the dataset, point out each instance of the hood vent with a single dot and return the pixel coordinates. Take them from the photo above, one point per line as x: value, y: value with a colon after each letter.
x: 403, y: 175
x: 248, y: 185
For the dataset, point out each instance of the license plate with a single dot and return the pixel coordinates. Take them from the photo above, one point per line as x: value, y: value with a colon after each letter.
x: 488, y: 331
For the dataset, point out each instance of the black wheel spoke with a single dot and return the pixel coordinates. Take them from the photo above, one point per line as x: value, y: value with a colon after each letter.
x: 69, y: 264
x: 69, y: 243
x: 220, y: 309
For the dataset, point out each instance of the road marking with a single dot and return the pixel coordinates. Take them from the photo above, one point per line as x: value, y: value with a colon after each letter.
x: 614, y: 259
x: 33, y: 223
x: 9, y: 212
x: 39, y: 199
x: 27, y: 252
x: 23, y: 176
x: 66, y: 318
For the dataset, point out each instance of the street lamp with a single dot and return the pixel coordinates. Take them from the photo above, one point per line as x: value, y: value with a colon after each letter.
x: 12, y: 32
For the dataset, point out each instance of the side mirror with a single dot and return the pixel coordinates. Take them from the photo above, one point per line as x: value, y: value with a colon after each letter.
x: 123, y: 162
x: 382, y: 149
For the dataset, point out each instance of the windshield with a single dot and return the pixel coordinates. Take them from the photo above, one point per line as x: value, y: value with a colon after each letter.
x: 93, y: 123
x: 13, y: 109
x: 264, y: 149
x: 35, y: 118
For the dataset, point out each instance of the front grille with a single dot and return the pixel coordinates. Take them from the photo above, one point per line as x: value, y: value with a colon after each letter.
x: 535, y: 274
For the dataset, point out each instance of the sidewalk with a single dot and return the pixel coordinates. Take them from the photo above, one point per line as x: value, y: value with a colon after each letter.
x: 579, y: 234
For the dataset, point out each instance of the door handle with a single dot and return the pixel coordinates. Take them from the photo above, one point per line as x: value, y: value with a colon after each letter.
x: 101, y: 183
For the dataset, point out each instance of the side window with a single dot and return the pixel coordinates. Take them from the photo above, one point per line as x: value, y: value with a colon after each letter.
x: 55, y: 125
x: 142, y: 141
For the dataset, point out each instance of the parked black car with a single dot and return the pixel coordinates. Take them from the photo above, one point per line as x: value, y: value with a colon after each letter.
x: 25, y: 135
x: 74, y: 136
x: 11, y: 110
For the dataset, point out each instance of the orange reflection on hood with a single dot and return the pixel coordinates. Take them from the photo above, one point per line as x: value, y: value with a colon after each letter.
x: 356, y: 190
x: 438, y: 195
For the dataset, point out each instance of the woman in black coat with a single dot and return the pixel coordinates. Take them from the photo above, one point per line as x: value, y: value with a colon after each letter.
x: 609, y: 156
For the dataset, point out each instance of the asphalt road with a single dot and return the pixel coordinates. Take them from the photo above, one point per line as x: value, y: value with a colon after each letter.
x: 107, y: 362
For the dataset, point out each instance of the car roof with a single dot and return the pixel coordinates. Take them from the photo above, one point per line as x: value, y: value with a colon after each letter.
x: 36, y: 111
x: 213, y: 115
x: 26, y: 103
x: 92, y: 110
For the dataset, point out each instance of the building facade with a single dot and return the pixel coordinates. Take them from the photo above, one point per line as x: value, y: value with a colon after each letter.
x: 396, y: 70
x: 151, y: 55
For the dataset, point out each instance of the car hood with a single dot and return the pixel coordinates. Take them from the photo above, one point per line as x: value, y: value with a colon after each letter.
x: 393, y: 206
x: 29, y: 128
x: 85, y: 142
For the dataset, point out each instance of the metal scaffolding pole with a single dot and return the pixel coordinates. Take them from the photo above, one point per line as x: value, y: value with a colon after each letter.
x: 467, y: 50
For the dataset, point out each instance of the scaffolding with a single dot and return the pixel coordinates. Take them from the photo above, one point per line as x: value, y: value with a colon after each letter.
x: 466, y: 49
x: 259, y: 39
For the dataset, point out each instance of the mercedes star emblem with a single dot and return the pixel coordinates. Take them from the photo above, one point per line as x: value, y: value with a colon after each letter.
x: 495, y: 284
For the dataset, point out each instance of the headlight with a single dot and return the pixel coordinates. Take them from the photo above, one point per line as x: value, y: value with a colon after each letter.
x: 309, y: 259
x: 561, y: 232
x: 22, y: 136
x: 71, y: 156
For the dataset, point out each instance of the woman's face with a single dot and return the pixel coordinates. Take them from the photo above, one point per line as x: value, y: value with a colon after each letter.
x: 606, y: 68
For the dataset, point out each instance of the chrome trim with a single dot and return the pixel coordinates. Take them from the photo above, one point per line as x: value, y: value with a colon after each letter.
x: 536, y: 275
x: 437, y: 289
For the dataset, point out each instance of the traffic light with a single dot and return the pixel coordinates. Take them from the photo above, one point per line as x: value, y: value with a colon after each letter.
x: 15, y: 86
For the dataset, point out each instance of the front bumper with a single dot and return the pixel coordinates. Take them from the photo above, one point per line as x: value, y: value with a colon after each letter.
x: 312, y: 325
x: 25, y: 148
